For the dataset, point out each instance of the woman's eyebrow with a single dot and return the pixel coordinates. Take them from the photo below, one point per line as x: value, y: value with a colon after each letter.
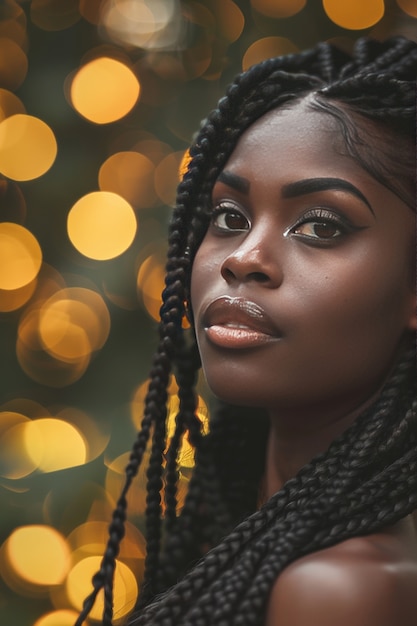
x: 299, y: 187
x: 310, y: 185
x: 233, y: 180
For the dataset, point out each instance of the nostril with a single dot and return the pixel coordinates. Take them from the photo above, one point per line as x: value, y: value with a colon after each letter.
x: 228, y: 274
x: 259, y: 277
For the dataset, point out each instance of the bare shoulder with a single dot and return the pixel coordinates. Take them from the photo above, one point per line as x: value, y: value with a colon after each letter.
x: 366, y: 581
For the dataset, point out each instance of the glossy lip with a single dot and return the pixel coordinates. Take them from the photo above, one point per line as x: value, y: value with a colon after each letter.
x: 238, y: 323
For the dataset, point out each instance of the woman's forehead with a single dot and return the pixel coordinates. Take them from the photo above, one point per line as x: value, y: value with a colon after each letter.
x: 291, y: 137
x: 304, y: 135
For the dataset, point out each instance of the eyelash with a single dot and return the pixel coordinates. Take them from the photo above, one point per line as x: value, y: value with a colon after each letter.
x: 316, y: 215
x: 227, y: 209
x: 321, y: 216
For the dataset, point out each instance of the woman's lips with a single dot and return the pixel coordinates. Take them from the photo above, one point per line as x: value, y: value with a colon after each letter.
x: 238, y: 323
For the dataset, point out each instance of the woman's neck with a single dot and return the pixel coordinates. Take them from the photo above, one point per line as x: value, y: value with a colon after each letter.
x: 294, y: 442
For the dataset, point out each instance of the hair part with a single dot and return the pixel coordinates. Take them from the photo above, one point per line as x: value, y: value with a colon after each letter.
x: 370, y: 143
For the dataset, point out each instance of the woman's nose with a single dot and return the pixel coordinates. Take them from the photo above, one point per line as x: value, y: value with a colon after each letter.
x: 256, y: 259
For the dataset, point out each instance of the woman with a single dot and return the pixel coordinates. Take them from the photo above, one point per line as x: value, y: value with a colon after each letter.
x: 292, y: 252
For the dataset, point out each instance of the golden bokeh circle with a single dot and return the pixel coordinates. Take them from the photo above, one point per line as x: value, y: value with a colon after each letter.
x: 15, y: 463
x: 28, y: 147
x: 38, y: 554
x: 13, y: 64
x: 230, y: 18
x: 408, y: 6
x: 151, y: 282
x: 143, y: 24
x: 10, y: 104
x: 63, y: 446
x: 38, y: 364
x: 20, y: 256
x: 101, y: 225
x: 266, y: 48
x: 61, y: 617
x: 73, y: 322
x: 104, y: 90
x: 13, y: 23
x: 355, y: 14
x: 13, y: 299
x: 125, y: 587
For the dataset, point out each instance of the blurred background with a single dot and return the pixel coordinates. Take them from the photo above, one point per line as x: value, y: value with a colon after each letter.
x: 99, y: 100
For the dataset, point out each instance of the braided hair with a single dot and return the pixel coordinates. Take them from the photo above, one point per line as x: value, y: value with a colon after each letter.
x: 224, y: 552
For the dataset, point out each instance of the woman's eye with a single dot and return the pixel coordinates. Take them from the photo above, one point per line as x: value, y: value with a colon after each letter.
x: 229, y: 220
x: 320, y: 226
x: 319, y: 230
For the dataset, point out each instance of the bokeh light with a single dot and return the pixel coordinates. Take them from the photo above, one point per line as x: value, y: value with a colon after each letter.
x: 59, y: 332
x: 10, y: 104
x: 230, y: 19
x: 131, y: 175
x: 266, y: 48
x: 38, y: 555
x: 46, y: 444
x: 13, y: 64
x: 408, y: 6
x: 13, y: 23
x: 13, y: 299
x: 151, y: 282
x: 116, y: 472
x: 38, y: 364
x: 354, y: 14
x: 186, y: 452
x: 143, y: 24
x: 95, y: 435
x: 152, y: 148
x: 63, y: 617
x: 61, y: 444
x: 104, y: 90
x: 91, y: 538
x: 91, y: 10
x: 48, y: 282
x: 137, y: 404
x: 15, y: 463
x: 61, y: 336
x: 54, y: 14
x: 25, y: 406
x: 73, y: 322
x: 184, y: 163
x: 27, y: 147
x: 20, y: 256
x: 125, y: 587
x: 101, y: 225
x: 115, y: 479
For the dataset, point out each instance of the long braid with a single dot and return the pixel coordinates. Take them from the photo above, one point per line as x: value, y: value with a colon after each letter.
x: 172, y: 312
x: 103, y: 579
x: 154, y: 418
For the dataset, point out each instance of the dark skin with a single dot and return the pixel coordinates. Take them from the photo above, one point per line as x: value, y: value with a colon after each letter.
x: 303, y: 295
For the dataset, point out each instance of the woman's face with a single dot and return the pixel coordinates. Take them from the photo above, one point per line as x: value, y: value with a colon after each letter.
x: 302, y: 289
